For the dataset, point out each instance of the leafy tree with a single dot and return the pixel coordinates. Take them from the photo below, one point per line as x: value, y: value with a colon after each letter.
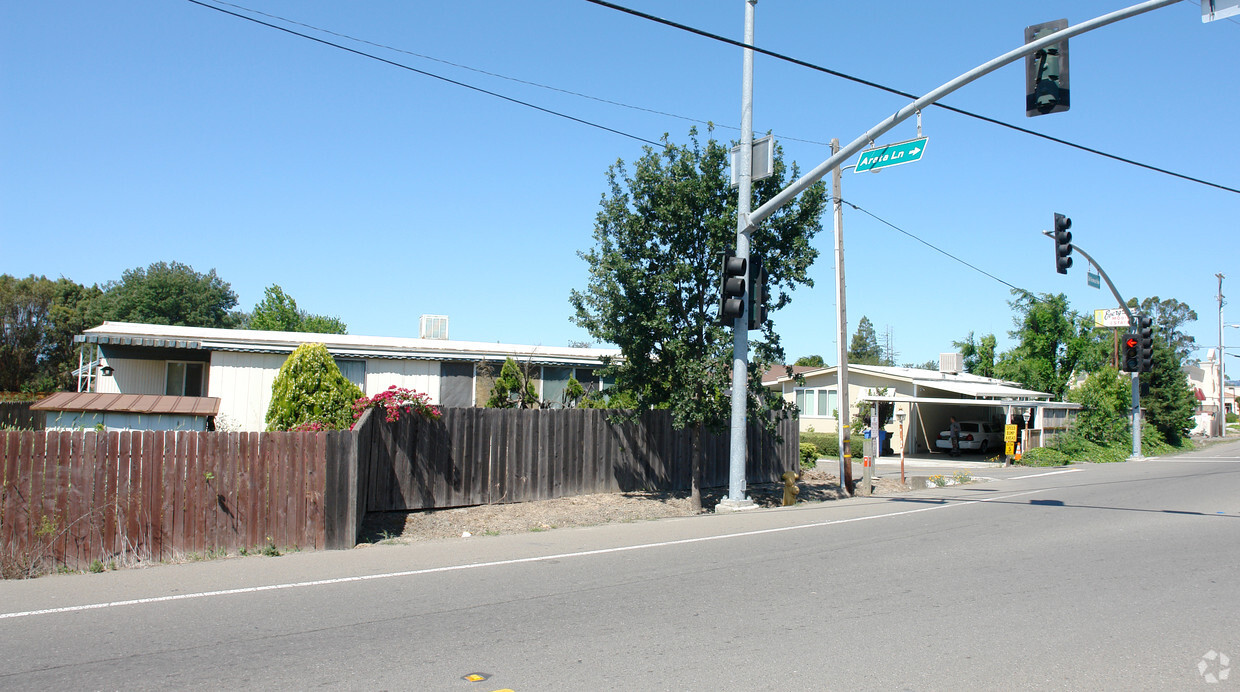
x: 864, y: 348
x: 173, y: 294
x: 978, y: 356
x: 513, y: 380
x: 278, y: 312
x: 38, y: 320
x: 311, y: 389
x: 1106, y: 399
x: 814, y: 361
x: 1169, y: 316
x: 928, y: 365
x: 654, y: 280
x: 25, y: 319
x: 1170, y: 403
x: 1053, y: 343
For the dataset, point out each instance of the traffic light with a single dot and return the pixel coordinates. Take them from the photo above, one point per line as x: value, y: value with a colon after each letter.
x: 1131, y: 361
x: 1145, y: 335
x: 1063, y: 243
x: 1046, y: 72
x: 732, y: 289
x: 757, y: 292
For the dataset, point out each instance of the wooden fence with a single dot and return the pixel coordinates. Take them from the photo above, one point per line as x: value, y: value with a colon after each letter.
x: 71, y: 498
x: 17, y: 414
x: 476, y: 456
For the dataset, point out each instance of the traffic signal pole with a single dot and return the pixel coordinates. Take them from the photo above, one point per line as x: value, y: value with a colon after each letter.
x: 1132, y: 322
x: 748, y: 220
x: 789, y: 193
x: 737, y: 499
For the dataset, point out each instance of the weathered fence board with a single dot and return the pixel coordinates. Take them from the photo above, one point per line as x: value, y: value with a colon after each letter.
x: 71, y: 498
x: 482, y: 456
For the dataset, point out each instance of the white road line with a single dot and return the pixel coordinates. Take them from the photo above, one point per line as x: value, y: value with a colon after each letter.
x: 500, y: 563
x: 1039, y: 475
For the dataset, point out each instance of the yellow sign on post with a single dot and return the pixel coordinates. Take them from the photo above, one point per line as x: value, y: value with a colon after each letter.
x: 1009, y: 448
x: 1009, y: 434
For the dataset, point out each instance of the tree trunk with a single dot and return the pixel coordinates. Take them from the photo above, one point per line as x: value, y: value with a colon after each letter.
x: 695, y: 471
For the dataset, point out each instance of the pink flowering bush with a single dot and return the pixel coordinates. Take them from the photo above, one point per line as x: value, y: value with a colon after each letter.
x: 394, y: 401
x: 312, y: 426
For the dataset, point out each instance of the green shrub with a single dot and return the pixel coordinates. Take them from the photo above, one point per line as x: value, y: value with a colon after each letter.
x: 1233, y: 418
x: 809, y: 455
x: 310, y: 390
x: 828, y: 444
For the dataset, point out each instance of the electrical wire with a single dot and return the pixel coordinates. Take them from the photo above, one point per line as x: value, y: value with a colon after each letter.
x: 497, y: 75
x: 425, y: 73
x: 930, y: 245
x: 891, y: 90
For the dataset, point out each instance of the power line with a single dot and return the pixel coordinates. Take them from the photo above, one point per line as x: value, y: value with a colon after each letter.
x: 891, y: 90
x: 497, y: 75
x: 425, y: 73
x: 1023, y: 291
x: 931, y: 245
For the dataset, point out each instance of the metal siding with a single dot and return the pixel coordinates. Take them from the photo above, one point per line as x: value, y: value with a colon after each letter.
x: 418, y: 375
x: 242, y: 382
x: 132, y: 376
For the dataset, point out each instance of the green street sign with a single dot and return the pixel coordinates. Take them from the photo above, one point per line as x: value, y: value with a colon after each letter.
x: 892, y: 155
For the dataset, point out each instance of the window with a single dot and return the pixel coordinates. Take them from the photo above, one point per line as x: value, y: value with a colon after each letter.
x: 805, y: 401
x: 554, y: 384
x: 184, y: 378
x: 353, y: 371
x: 827, y: 403
x: 821, y: 403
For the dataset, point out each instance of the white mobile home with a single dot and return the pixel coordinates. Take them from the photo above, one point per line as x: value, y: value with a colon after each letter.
x: 238, y: 366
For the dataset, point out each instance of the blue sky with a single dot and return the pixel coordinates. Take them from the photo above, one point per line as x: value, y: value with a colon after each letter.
x: 161, y: 130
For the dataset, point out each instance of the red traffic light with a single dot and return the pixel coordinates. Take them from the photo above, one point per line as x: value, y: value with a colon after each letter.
x: 1130, y: 342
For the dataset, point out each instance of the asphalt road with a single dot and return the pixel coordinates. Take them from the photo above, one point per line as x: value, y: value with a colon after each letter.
x: 1120, y: 576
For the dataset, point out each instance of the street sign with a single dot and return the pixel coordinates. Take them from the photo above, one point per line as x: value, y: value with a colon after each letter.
x: 1219, y: 9
x: 891, y: 155
x: 1093, y: 280
x: 762, y: 160
x: 1009, y: 434
x: 1009, y: 448
x: 1114, y: 317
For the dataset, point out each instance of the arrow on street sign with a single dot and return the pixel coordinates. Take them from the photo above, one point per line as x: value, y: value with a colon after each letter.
x: 892, y: 155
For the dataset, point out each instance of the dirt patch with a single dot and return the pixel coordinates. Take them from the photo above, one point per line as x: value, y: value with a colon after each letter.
x: 586, y: 510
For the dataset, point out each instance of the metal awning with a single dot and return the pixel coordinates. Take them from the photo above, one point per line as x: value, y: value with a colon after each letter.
x: 999, y: 403
x: 982, y: 389
x: 129, y: 403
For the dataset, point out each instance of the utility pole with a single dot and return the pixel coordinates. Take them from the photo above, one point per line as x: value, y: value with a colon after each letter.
x: 1220, y: 419
x: 844, y: 415
x: 736, y: 499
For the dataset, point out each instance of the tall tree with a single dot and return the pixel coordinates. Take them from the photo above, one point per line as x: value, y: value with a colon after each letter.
x: 38, y: 320
x: 1052, y: 343
x: 173, y: 294
x: 978, y: 355
x: 814, y: 361
x: 278, y: 312
x: 25, y: 319
x: 864, y: 348
x: 654, y: 280
x: 1170, y: 403
x: 1169, y: 317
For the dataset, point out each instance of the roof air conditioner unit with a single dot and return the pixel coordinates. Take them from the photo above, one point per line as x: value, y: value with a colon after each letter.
x: 951, y: 363
x: 433, y: 327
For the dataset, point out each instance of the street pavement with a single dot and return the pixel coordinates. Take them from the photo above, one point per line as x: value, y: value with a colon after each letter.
x: 1117, y: 576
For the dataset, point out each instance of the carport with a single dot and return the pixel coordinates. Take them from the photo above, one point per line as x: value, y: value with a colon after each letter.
x: 927, y: 415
